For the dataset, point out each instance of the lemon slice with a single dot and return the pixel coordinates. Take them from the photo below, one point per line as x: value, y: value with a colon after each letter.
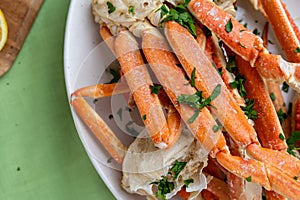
x: 3, y: 30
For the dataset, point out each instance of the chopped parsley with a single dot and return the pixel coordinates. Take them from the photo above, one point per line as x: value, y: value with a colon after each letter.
x: 239, y: 84
x: 248, y: 109
x: 155, y: 89
x: 242, y: 45
x: 297, y: 50
x: 197, y: 101
x: 231, y: 64
x: 187, y: 182
x: 216, y: 128
x: 95, y: 101
x: 228, y: 26
x: 111, y: 7
x: 131, y: 9
x: 163, y: 187
x: 144, y: 117
x: 177, y: 168
x: 115, y: 74
x: 249, y: 179
x: 285, y: 87
x: 180, y: 15
x: 272, y: 96
x: 193, y: 76
x: 256, y: 32
x: 166, y: 184
x: 281, y: 115
x: 292, y: 142
x: 281, y: 136
x: 296, y: 178
x: 109, y: 160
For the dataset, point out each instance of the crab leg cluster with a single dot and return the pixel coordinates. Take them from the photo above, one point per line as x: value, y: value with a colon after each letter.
x: 267, y: 163
x: 245, y: 44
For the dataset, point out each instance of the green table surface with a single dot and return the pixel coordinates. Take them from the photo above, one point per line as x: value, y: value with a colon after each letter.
x: 41, y: 155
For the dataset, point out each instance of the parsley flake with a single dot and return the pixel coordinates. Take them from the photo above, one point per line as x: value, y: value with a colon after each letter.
x: 197, y: 101
x: 256, y: 32
x: 281, y: 115
x: 272, y: 96
x: 285, y: 87
x: 193, y: 76
x: 116, y: 76
x: 249, y: 179
x: 231, y: 64
x: 229, y: 26
x: 248, y: 109
x: 296, y: 178
x: 297, y: 50
x: 131, y: 9
x: 187, y: 182
x: 281, y: 136
x: 144, y: 117
x: 216, y: 128
x: 163, y: 187
x: 292, y: 142
x: 180, y: 15
x: 238, y: 83
x: 155, y: 89
x: 177, y: 168
x: 111, y: 7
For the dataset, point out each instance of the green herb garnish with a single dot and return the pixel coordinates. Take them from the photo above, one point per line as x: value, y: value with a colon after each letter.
x: 111, y: 7
x: 249, y: 179
x: 281, y: 115
x: 131, y: 9
x: 281, y: 136
x: 188, y: 182
x: 116, y: 76
x: 163, y: 187
x: 297, y: 50
x: 272, y: 96
x: 231, y: 64
x: 242, y: 45
x: 285, y: 87
x: 248, y: 109
x: 155, y: 89
x: 144, y: 117
x: 238, y: 83
x: 292, y: 142
x: 256, y: 32
x: 193, y: 76
x: 177, y: 168
x: 228, y: 26
x: 197, y: 101
x: 180, y: 15
x: 296, y: 178
x: 216, y: 128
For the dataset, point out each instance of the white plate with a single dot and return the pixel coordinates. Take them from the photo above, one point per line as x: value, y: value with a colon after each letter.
x: 85, y: 60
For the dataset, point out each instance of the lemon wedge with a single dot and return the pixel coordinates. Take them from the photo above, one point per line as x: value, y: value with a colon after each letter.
x: 3, y: 30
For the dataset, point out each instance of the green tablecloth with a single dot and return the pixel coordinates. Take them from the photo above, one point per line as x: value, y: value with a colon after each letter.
x: 41, y: 155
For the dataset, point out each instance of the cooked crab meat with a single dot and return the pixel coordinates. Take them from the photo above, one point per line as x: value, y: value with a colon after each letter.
x: 144, y: 164
x: 120, y: 14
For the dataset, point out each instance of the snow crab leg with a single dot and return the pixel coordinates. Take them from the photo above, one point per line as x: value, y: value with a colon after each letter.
x: 284, y: 26
x: 246, y: 44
